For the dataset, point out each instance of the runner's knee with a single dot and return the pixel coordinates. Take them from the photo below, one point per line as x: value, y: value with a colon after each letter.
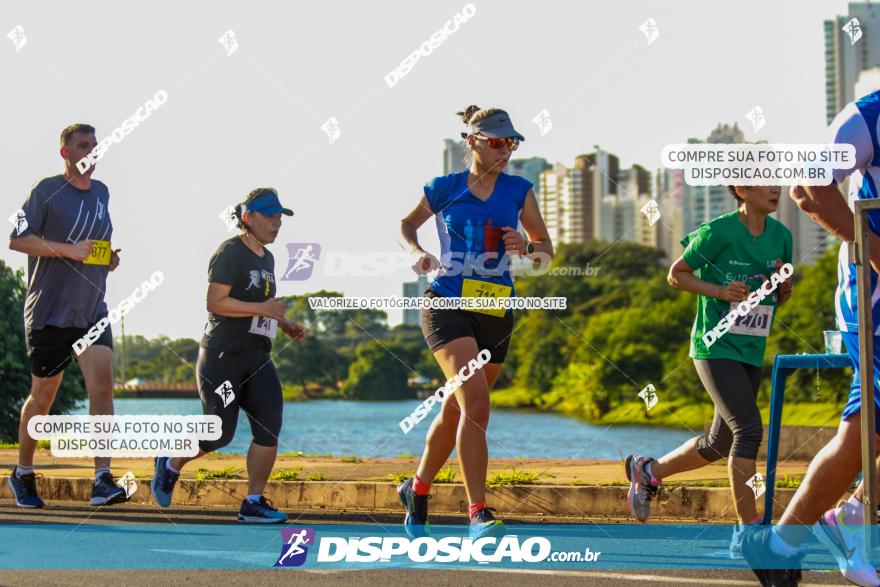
x: 747, y: 440
x: 714, y: 447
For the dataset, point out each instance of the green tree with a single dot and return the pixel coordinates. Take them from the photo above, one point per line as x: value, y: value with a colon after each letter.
x: 15, y: 377
x: 377, y: 373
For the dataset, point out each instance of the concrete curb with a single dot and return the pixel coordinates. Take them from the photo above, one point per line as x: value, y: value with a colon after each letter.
x: 363, y: 496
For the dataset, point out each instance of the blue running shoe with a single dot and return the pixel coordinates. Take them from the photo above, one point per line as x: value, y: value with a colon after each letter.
x: 105, y: 491
x: 260, y: 512
x: 416, y: 523
x: 24, y: 490
x: 484, y: 524
x: 163, y: 482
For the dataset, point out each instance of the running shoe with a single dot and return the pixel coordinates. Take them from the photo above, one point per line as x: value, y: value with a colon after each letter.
x: 641, y: 490
x: 24, y: 490
x: 260, y: 512
x: 847, y: 544
x: 105, y: 491
x: 163, y: 482
x: 484, y: 524
x: 739, y: 531
x: 772, y: 570
x: 416, y: 522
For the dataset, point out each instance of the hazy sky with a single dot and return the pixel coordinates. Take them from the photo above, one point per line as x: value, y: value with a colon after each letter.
x: 233, y: 123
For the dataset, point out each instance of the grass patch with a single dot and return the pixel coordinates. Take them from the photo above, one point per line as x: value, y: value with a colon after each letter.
x: 44, y: 444
x: 306, y: 455
x: 445, y: 475
x: 350, y: 459
x: 286, y: 474
x: 405, y: 455
x: 398, y: 477
x: 316, y: 477
x: 513, y: 477
x: 219, y: 475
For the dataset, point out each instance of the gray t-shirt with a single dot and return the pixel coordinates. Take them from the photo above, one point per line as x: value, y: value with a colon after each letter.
x: 63, y: 292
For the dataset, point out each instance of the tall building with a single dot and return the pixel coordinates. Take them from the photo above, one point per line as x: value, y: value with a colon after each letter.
x: 530, y: 169
x: 454, y: 153
x: 414, y: 289
x: 844, y: 60
x: 551, y: 183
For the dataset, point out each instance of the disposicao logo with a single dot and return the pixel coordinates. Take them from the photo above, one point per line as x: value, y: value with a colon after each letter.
x: 295, y: 546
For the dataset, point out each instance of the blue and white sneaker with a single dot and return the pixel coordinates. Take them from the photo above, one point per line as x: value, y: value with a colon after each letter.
x: 162, y: 485
x: 260, y: 512
x: 484, y: 524
x: 24, y: 490
x: 736, y: 539
x: 105, y: 491
x: 416, y: 523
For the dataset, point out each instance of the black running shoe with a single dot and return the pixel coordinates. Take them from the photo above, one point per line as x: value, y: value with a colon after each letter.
x: 772, y: 570
x: 416, y: 522
x: 105, y: 491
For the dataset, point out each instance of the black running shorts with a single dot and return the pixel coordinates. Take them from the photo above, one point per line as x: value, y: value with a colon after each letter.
x: 50, y: 349
x: 443, y: 326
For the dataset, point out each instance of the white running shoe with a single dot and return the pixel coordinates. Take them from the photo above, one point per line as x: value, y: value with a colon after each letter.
x: 848, y: 547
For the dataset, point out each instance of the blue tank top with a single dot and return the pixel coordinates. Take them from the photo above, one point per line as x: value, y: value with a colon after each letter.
x: 471, y: 245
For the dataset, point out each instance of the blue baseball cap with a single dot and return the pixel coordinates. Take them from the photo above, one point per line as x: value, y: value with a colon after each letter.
x: 266, y: 202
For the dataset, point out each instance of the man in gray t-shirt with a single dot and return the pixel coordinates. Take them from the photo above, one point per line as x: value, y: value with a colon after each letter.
x: 64, y: 228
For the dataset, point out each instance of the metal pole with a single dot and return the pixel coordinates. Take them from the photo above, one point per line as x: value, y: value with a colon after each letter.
x: 866, y: 363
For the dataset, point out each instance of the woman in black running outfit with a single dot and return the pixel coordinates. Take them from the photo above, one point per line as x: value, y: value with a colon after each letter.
x: 235, y: 369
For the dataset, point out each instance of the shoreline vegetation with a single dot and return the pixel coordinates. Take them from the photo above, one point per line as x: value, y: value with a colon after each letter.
x: 623, y: 329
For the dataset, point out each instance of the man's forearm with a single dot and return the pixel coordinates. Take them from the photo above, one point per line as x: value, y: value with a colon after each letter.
x: 38, y: 247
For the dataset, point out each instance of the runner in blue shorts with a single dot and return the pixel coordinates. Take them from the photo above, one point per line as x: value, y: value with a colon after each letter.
x: 775, y: 553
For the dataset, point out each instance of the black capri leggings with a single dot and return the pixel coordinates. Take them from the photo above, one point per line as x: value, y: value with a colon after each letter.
x: 228, y: 381
x: 736, y: 428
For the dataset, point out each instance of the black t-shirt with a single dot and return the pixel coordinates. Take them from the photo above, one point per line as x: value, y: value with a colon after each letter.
x: 252, y: 279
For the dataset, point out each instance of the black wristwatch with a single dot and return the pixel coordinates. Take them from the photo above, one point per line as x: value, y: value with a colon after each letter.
x: 530, y: 248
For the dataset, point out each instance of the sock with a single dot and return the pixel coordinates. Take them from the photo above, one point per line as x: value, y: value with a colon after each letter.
x: 420, y: 487
x: 756, y: 520
x: 170, y: 468
x: 19, y: 470
x: 476, y: 507
x: 99, y: 472
x: 853, y: 511
x: 254, y: 498
x: 654, y: 480
x: 780, y: 546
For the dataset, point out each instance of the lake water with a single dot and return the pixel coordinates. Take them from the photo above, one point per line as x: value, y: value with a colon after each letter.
x: 370, y: 430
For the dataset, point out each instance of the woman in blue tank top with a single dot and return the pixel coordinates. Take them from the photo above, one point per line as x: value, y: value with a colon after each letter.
x: 477, y: 212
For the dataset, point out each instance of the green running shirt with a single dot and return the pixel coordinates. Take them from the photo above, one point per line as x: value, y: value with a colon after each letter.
x: 724, y: 250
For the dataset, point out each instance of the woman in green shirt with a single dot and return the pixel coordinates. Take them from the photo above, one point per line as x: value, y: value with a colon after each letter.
x: 727, y: 262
